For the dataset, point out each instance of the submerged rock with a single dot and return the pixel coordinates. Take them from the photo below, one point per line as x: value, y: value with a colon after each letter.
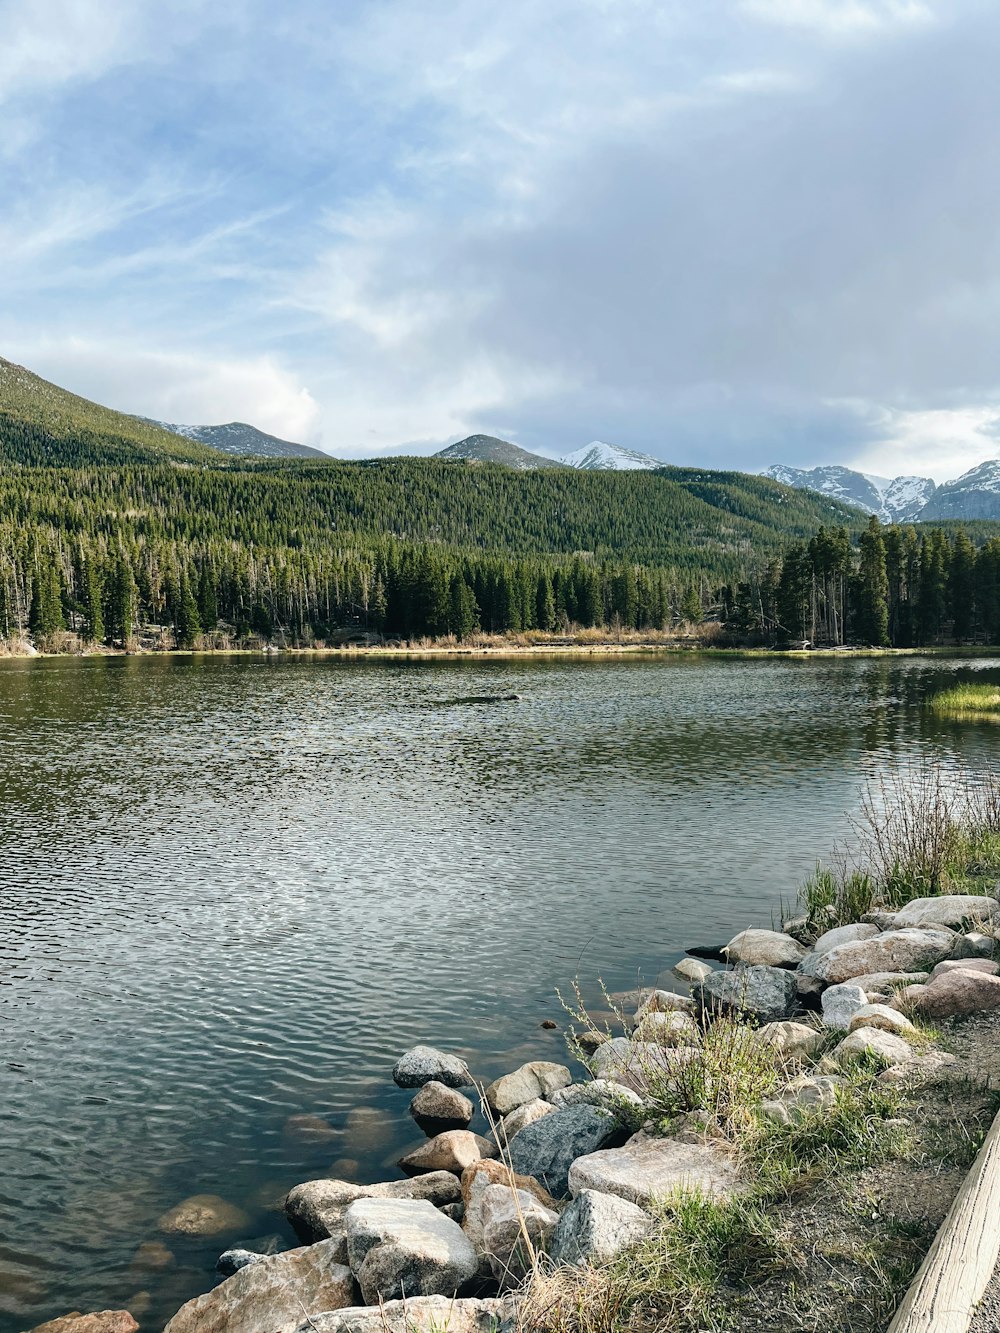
x: 766, y: 994
x: 203, y: 1215
x: 547, y: 1148
x: 596, y: 1227
x: 270, y: 1295
x: 405, y: 1247
x: 424, y: 1064
x: 648, y: 1168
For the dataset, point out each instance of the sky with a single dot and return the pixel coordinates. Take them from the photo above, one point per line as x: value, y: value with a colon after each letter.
x: 724, y: 232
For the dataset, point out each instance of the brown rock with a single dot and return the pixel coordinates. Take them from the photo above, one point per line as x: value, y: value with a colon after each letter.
x: 416, y: 1314
x: 588, y: 1042
x: 453, y: 1150
x: 477, y: 1179
x: 309, y: 1128
x: 154, y: 1256
x: 101, y: 1321
x: 966, y: 965
x: 436, y: 1102
x: 316, y: 1208
x: 953, y: 994
x: 537, y: 1078
x: 203, y: 1215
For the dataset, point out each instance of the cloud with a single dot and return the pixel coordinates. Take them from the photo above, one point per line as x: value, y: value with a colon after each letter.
x: 942, y: 443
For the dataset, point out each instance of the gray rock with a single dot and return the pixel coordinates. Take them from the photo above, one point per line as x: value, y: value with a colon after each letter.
x: 764, y: 948
x: 476, y: 1180
x: 974, y: 944
x: 596, y: 1227
x: 673, y: 1029
x: 405, y: 1247
x: 649, y: 1168
x: 270, y: 1295
x: 537, y: 1078
x: 881, y: 982
x: 908, y: 950
x: 441, y: 1106
x: 526, y: 1115
x: 598, y: 1092
x: 691, y: 969
x: 841, y: 1003
x: 985, y: 965
x: 884, y: 1047
x: 316, y: 1208
x: 792, y: 1041
x: 424, y: 1064
x: 665, y: 1002
x: 547, y: 1148
x: 508, y: 1214
x: 800, y: 928
x: 881, y: 1016
x: 766, y: 994
x: 882, y: 919
x: 231, y: 1261
x: 948, y: 909
x: 802, y: 1096
x: 638, y: 1064
x: 832, y: 939
x: 419, y: 1314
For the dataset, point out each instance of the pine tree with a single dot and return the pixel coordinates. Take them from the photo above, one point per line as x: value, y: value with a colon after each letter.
x: 873, y: 588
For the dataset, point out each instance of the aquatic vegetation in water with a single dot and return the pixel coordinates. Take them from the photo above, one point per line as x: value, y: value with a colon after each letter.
x: 980, y: 703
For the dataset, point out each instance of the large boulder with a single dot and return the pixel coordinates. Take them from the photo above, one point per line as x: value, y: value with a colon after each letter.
x: 419, y: 1314
x: 648, y: 1168
x: 948, y: 909
x: 954, y: 994
x: 538, y: 1078
x: 909, y: 950
x: 516, y: 1226
x: 453, y: 1150
x: 316, y: 1208
x: 596, y: 1227
x: 477, y: 1179
x: 424, y: 1064
x: 405, y: 1247
x: 270, y: 1295
x: 547, y: 1148
x: 99, y: 1321
x: 766, y: 948
x: 832, y: 939
x: 439, y: 1107
x: 883, y: 1047
x: 880, y: 983
x: 766, y: 994
x: 791, y: 1041
x: 203, y: 1215
x: 638, y: 1065
x: 841, y: 1003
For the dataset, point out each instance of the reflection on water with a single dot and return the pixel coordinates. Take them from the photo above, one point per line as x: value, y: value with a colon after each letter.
x: 234, y: 890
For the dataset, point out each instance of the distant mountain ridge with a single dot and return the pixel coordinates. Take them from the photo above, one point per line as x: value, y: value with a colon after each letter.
x: 599, y: 456
x: 236, y: 437
x: 491, y: 449
x: 974, y: 495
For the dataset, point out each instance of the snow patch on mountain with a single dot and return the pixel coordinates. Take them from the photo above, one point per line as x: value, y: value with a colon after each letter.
x: 599, y: 456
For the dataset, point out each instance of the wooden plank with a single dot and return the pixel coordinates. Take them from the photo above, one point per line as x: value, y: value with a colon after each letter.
x: 959, y: 1265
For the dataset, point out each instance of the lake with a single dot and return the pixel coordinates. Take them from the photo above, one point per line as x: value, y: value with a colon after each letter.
x: 234, y: 890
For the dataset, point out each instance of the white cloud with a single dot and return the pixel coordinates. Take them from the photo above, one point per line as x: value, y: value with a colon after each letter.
x: 175, y: 386
x: 840, y: 18
x: 942, y: 443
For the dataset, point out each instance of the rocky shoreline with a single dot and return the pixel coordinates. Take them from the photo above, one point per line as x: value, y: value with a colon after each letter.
x: 570, y: 1176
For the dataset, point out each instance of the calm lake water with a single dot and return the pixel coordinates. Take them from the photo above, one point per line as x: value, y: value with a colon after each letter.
x: 234, y: 890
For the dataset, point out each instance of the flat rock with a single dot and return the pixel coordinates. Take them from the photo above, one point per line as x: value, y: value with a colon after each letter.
x: 596, y: 1227
x: 453, y: 1150
x: 792, y: 1041
x: 767, y: 994
x: 527, y: 1115
x: 691, y: 969
x: 203, y: 1215
x: 885, y: 1047
x: 667, y: 1029
x: 955, y: 994
x: 418, y: 1314
x: 948, y: 909
x: 399, y: 1248
x: 907, y: 950
x: 477, y: 1179
x: 765, y: 948
x: 985, y: 965
x: 881, y: 982
x: 424, y: 1064
x: 535, y: 1079
x: 841, y: 1003
x: 270, y: 1295
x: 316, y: 1208
x: 507, y: 1214
x: 647, y: 1168
x: 832, y: 939
x: 881, y: 1016
x: 442, y: 1106
x: 100, y: 1321
x: 547, y: 1148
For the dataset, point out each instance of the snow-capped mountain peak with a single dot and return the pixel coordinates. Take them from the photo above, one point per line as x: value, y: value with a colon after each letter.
x: 599, y: 456
x: 895, y: 500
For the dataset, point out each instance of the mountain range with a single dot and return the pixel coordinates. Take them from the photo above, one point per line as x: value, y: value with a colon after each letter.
x: 975, y: 494
x: 598, y: 456
x: 236, y: 437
